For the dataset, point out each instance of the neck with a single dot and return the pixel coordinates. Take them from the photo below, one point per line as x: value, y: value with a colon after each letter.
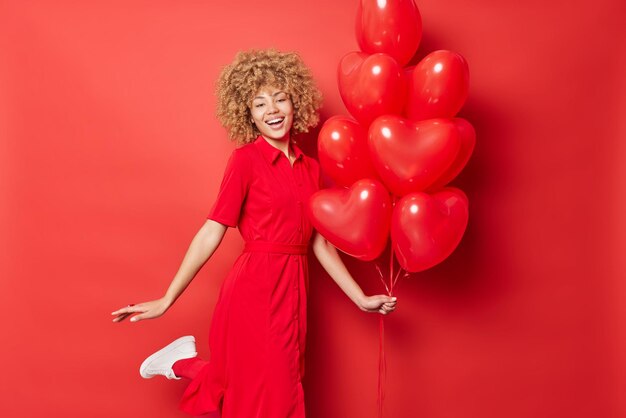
x: 281, y: 144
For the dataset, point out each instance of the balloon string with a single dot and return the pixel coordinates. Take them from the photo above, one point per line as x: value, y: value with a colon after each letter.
x: 391, y: 278
x: 382, y: 278
x: 382, y: 366
x: 395, y: 280
x: 382, y: 359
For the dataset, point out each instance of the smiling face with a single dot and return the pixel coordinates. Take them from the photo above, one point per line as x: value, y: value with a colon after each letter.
x: 272, y: 113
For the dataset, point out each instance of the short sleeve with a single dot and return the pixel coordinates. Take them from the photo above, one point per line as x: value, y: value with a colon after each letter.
x: 233, y: 190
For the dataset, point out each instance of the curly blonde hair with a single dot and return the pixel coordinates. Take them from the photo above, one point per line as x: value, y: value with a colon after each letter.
x: 251, y: 70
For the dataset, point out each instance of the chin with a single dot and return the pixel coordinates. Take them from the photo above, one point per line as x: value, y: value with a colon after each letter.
x: 277, y: 136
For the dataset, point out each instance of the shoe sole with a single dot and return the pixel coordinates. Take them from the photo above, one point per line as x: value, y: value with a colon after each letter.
x: 170, y: 347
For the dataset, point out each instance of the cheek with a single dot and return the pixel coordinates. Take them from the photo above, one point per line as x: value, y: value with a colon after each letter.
x: 288, y: 110
x: 255, y: 115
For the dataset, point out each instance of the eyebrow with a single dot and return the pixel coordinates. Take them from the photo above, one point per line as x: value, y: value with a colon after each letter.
x: 275, y: 94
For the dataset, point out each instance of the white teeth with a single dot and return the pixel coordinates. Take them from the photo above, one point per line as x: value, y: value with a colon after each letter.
x: 273, y: 121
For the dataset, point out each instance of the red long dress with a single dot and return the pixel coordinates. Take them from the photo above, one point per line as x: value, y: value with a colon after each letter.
x: 258, y: 329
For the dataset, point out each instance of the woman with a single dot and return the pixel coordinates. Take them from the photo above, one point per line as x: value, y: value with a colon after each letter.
x: 257, y: 335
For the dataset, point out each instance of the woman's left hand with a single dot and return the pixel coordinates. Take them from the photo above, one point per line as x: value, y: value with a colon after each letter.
x: 378, y: 303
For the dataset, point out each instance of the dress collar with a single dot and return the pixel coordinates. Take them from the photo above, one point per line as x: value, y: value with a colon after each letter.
x: 272, y: 153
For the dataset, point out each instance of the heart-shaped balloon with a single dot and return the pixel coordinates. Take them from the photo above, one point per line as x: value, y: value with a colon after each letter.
x: 343, y: 152
x: 371, y: 85
x: 438, y: 86
x: 467, y: 136
x: 410, y: 156
x: 355, y: 220
x: 426, y: 229
x: 393, y: 27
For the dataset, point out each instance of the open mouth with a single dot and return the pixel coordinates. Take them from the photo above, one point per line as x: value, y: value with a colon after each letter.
x: 275, y: 121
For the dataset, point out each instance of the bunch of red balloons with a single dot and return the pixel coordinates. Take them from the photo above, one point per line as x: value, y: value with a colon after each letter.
x: 391, y: 163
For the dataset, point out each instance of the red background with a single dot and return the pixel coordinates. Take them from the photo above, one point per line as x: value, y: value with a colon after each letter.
x: 111, y: 157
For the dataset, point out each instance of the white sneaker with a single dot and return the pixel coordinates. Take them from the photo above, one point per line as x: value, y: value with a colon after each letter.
x: 161, y: 362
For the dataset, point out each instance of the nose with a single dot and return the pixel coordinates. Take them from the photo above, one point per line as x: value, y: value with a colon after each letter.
x: 271, y: 107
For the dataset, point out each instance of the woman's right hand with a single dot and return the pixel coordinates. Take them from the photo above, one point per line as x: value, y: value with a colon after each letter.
x: 146, y: 310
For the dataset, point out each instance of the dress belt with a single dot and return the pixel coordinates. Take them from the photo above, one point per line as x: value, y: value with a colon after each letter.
x: 275, y: 247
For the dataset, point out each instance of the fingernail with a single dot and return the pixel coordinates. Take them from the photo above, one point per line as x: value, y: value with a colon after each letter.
x: 393, y: 299
x: 133, y: 319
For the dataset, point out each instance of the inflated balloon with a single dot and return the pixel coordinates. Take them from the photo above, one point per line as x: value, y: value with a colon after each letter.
x: 426, y: 229
x: 467, y: 136
x: 410, y: 156
x: 343, y: 152
x: 393, y: 27
x: 438, y: 86
x: 371, y: 85
x: 355, y: 220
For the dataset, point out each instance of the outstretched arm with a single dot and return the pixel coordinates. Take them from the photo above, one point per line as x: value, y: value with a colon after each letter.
x: 202, y: 247
x: 328, y: 257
